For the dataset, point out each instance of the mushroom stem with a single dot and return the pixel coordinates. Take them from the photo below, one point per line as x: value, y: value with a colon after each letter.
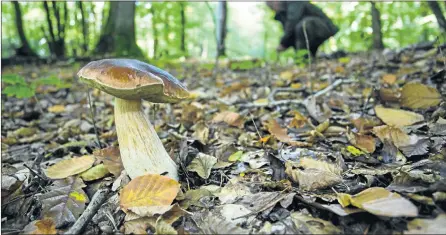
x: 142, y: 152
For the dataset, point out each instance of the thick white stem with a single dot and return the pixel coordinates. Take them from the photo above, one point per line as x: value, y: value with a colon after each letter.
x: 142, y: 152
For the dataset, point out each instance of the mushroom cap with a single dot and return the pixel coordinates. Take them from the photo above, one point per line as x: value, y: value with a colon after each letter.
x: 133, y: 80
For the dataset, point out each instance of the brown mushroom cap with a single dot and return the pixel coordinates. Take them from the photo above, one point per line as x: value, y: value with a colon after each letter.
x: 132, y: 80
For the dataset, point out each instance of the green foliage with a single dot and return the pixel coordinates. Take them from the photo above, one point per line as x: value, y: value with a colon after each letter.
x: 16, y: 86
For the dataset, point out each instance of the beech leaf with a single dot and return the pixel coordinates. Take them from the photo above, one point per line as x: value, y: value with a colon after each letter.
x: 70, y: 167
x: 397, y: 117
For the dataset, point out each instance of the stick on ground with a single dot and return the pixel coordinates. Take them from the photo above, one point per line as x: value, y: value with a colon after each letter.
x: 96, y: 202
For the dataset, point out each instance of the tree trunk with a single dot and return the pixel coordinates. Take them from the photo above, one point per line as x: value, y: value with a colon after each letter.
x: 155, y: 32
x: 84, y: 27
x: 24, y: 49
x: 376, y: 27
x: 56, y: 42
x: 118, y: 37
x: 435, y: 7
x: 183, y: 27
x: 221, y: 28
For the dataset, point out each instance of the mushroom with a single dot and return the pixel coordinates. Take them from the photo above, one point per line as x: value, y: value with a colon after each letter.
x: 130, y: 81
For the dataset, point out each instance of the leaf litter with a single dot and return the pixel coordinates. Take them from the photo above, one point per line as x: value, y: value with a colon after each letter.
x: 350, y: 146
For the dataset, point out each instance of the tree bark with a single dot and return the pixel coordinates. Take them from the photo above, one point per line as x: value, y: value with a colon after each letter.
x: 376, y: 27
x: 183, y: 27
x: 25, y: 48
x: 84, y: 27
x: 155, y: 32
x: 435, y: 7
x: 221, y: 28
x: 118, y: 37
x: 56, y: 42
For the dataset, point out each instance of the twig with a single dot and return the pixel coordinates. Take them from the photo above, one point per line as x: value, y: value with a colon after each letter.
x: 298, y: 102
x: 96, y: 202
x: 92, y: 119
x: 279, y: 89
x: 367, y: 101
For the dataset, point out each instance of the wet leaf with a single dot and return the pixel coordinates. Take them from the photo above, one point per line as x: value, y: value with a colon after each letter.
x: 202, y: 164
x: 380, y: 201
x: 44, y: 226
x: 65, y: 201
x: 111, y: 158
x: 70, y: 167
x: 417, y: 95
x: 148, y: 192
x: 231, y: 118
x: 94, y: 173
x: 397, y: 117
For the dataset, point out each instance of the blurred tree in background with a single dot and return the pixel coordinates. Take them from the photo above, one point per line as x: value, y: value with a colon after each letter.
x: 170, y: 30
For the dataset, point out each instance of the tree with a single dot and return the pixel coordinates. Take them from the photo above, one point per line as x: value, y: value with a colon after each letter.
x: 56, y: 38
x: 155, y: 31
x: 221, y: 27
x: 84, y: 26
x: 25, y: 49
x: 118, y: 37
x: 435, y: 7
x: 183, y: 27
x: 376, y: 27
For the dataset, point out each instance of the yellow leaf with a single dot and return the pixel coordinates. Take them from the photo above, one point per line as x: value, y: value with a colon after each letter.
x: 94, y: 173
x: 298, y: 121
x: 417, y: 95
x: 397, y: 117
x: 389, y: 78
x: 231, y: 118
x: 380, y: 201
x: 70, y: 167
x: 148, y: 191
x: 296, y: 85
x: 265, y: 139
x: 57, y: 108
x: 353, y: 150
x: 339, y: 69
x: 344, y: 60
x: 78, y: 196
x: 262, y: 101
x: 366, y: 92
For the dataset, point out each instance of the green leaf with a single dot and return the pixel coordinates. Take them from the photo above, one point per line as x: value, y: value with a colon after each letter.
x: 19, y: 91
x: 13, y: 79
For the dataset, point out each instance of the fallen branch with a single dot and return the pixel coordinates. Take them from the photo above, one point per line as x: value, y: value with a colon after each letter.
x: 96, y: 202
x: 298, y: 102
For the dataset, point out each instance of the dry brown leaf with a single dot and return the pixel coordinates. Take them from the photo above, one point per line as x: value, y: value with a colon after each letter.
x: 397, y: 117
x: 231, y: 118
x: 364, y: 142
x: 281, y: 134
x: 70, y: 167
x: 148, y: 191
x: 44, y: 226
x: 298, y: 121
x: 389, y: 95
x: 111, y: 158
x: 312, y: 178
x: 394, y: 134
x: 417, y: 95
x: 364, y: 124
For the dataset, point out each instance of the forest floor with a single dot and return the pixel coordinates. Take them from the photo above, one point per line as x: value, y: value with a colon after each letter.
x: 349, y: 145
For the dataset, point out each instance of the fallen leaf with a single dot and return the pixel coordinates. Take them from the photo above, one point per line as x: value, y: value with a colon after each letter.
x: 393, y: 134
x: 202, y: 164
x: 417, y: 95
x: 281, y: 134
x: 439, y: 127
x: 57, y: 108
x: 111, y: 158
x: 364, y: 124
x: 65, y: 201
x: 148, y: 191
x: 312, y: 178
x: 397, y: 117
x: 212, y: 223
x: 420, y: 147
x: 319, y: 112
x: 232, y: 190
x: 94, y: 173
x: 201, y: 132
x: 162, y: 227
x: 354, y: 151
x: 427, y: 226
x: 286, y: 75
x: 298, y: 120
x: 44, y: 226
x: 380, y: 201
x: 70, y: 167
x: 389, y: 78
x: 389, y: 94
x: 364, y: 142
x: 307, y: 224
x: 231, y: 118
x: 308, y: 163
x: 235, y: 156
x: 139, y: 225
